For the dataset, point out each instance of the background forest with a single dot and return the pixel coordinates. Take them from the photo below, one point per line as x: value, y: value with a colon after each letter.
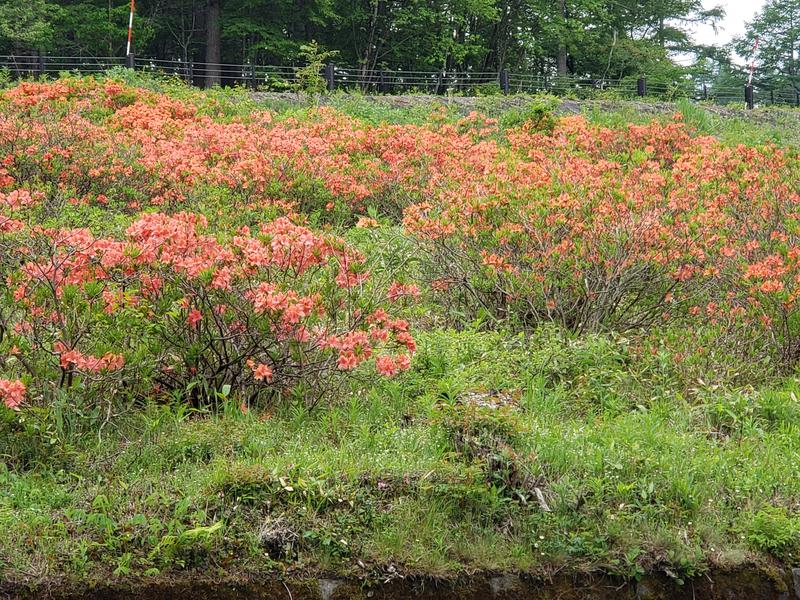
x: 603, y: 39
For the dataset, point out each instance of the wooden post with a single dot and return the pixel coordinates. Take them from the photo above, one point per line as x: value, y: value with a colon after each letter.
x: 330, y: 70
x: 130, y: 60
x: 40, y: 59
x: 16, y: 66
x: 381, y: 82
x: 504, y: 87
x: 641, y: 87
x: 748, y: 96
x: 705, y: 92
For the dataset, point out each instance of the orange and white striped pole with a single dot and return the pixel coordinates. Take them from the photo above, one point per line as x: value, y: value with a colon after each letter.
x: 753, y: 62
x: 130, y: 28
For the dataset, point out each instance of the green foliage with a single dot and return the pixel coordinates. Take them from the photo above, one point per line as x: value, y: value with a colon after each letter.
x: 181, y: 549
x: 777, y: 27
x: 28, y: 24
x: 774, y: 531
x: 432, y: 484
x: 308, y: 78
x: 606, y: 41
x: 487, y: 89
x: 99, y: 28
x: 537, y: 114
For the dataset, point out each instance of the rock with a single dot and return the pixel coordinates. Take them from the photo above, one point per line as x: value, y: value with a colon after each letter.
x: 327, y: 587
x: 504, y: 586
x: 650, y: 588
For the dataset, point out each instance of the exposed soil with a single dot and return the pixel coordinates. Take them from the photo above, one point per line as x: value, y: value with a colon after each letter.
x: 721, y: 585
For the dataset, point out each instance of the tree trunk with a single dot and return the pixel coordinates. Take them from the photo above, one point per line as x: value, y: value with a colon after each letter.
x: 562, y: 60
x: 369, y: 59
x: 213, y: 44
x: 562, y: 47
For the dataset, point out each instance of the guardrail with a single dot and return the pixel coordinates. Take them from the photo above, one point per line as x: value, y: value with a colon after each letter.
x: 398, y: 81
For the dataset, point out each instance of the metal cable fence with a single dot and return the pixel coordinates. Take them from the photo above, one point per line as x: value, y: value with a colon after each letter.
x: 402, y: 81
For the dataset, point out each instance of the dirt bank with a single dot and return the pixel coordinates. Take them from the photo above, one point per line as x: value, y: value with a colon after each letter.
x: 745, y: 585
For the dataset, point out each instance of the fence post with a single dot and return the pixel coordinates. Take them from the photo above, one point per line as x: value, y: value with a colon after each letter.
x: 130, y: 60
x: 748, y: 96
x: 504, y: 82
x: 772, y: 96
x: 797, y: 98
x: 329, y: 72
x: 641, y: 87
x: 253, y: 76
x: 705, y: 92
x: 381, y: 82
x: 40, y: 63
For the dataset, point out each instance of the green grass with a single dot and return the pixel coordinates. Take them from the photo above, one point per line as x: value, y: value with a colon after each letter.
x: 410, y: 473
x: 732, y: 125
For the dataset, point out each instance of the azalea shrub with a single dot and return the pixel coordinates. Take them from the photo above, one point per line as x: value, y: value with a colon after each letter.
x: 626, y: 230
x: 87, y: 142
x: 157, y: 247
x: 168, y: 308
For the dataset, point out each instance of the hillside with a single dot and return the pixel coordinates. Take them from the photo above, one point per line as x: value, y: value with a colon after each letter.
x: 251, y: 342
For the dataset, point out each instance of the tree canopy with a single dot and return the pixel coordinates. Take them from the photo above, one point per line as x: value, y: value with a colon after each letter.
x: 584, y: 38
x: 777, y: 28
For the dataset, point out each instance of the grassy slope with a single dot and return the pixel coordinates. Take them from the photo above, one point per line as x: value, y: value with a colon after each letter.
x: 637, y: 478
x: 733, y: 123
x: 640, y: 469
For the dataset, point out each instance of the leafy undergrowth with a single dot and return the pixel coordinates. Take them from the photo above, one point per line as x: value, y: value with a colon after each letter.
x: 373, y: 343
x: 494, y: 453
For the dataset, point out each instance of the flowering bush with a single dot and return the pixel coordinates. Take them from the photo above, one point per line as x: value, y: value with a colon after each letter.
x: 260, y: 305
x: 227, y: 289
x: 626, y: 229
x: 95, y: 142
x: 266, y: 312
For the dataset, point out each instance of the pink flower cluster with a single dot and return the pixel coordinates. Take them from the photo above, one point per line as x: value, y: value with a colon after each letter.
x: 398, y: 290
x: 73, y: 359
x: 12, y: 392
x: 261, y: 372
